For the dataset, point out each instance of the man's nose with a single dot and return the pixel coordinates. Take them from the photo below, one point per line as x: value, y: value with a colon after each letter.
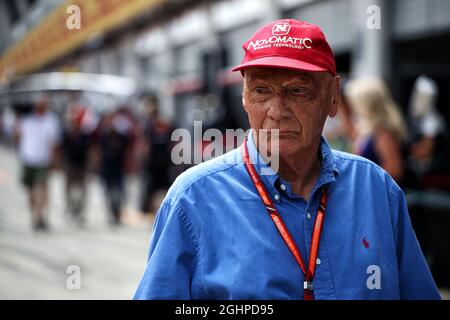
x: 279, y: 109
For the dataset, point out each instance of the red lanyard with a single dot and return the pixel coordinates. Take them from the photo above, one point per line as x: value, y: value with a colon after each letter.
x: 276, y: 217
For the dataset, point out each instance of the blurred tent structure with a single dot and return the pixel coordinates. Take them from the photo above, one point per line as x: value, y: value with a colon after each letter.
x: 73, y: 81
x: 103, y: 91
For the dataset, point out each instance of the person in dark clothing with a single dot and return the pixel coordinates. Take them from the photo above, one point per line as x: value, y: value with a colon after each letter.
x: 156, y: 167
x: 115, y: 140
x: 77, y: 138
x: 429, y: 133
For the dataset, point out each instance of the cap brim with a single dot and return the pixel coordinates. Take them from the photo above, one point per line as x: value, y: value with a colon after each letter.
x: 279, y: 62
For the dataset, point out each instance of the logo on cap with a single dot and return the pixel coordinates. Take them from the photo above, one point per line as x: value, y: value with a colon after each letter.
x: 291, y: 44
x: 281, y: 29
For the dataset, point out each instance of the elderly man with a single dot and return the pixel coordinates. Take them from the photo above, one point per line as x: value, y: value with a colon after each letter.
x: 326, y: 225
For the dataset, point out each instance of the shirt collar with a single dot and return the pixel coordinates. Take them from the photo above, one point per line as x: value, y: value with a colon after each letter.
x: 264, y: 170
x: 328, y: 169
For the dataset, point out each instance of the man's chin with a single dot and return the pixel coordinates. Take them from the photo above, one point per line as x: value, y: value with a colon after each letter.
x: 287, y: 146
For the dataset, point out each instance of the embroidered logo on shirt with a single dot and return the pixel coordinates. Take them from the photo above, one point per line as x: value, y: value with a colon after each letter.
x: 365, y: 243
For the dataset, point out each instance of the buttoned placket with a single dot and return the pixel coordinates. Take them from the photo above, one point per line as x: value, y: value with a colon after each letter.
x: 326, y: 287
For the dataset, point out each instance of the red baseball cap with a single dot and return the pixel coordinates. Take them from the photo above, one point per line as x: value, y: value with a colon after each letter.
x: 290, y: 44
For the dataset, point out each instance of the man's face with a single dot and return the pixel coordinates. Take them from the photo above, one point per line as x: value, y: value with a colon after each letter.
x: 296, y: 103
x: 41, y: 106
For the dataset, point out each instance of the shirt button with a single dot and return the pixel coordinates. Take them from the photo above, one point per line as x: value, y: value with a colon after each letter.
x: 283, y: 187
x: 308, y: 215
x: 277, y: 197
x: 318, y: 261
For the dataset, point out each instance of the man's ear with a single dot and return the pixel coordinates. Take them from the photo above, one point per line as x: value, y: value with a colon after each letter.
x: 335, y: 96
x: 244, y: 89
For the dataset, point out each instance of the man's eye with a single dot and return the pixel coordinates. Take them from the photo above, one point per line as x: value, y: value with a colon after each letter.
x: 298, y: 90
x: 261, y: 90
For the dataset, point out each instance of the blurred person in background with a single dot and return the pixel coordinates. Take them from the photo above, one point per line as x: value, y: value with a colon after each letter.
x: 116, y: 134
x: 8, y: 119
x: 157, y: 147
x: 38, y: 136
x: 428, y: 174
x: 429, y: 136
x: 79, y: 126
x: 340, y: 131
x: 380, y: 130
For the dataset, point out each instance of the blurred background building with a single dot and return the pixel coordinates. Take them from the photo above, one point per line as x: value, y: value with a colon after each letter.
x: 182, y: 51
x: 185, y: 48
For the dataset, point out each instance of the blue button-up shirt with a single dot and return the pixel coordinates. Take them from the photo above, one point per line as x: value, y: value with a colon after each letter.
x: 213, y: 237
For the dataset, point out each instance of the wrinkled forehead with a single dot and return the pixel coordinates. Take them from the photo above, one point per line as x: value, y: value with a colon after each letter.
x: 282, y: 74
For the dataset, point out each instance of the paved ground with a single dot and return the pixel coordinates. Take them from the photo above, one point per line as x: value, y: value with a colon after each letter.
x: 34, y: 266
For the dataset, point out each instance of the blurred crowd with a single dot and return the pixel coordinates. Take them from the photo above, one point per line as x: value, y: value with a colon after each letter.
x: 130, y: 140
x: 80, y: 143
x: 412, y: 149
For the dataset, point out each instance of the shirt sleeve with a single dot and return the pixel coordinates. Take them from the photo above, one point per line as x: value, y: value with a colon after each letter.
x: 415, y: 279
x: 173, y: 258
